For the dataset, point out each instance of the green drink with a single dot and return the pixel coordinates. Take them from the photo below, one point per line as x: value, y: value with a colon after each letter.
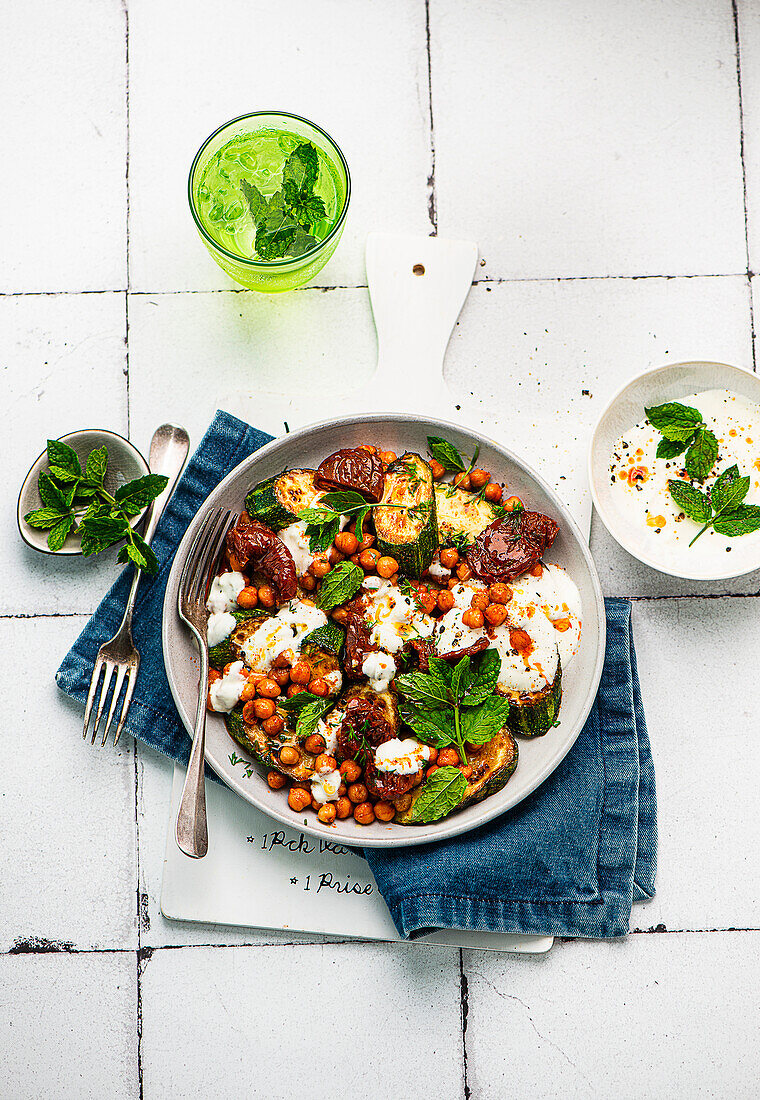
x: 269, y: 194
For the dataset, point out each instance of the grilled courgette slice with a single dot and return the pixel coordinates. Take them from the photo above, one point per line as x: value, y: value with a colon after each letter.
x: 461, y: 515
x: 492, y: 767
x: 230, y: 649
x: 266, y: 750
x: 533, y: 713
x: 408, y: 533
x: 331, y: 637
x: 278, y: 501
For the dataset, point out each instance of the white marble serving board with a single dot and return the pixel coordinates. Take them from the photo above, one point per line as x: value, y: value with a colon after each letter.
x: 257, y: 874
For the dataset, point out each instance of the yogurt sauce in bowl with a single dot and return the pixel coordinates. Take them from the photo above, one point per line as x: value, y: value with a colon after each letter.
x: 639, y: 480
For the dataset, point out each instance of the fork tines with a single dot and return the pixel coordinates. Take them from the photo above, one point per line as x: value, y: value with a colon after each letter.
x: 203, y: 556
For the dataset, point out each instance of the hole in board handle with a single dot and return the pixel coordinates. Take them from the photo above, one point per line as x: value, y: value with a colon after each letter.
x: 418, y: 269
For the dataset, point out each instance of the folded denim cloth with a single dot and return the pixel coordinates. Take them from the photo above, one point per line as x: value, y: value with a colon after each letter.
x: 568, y: 861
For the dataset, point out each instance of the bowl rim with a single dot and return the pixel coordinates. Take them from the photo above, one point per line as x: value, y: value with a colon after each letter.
x: 22, y: 525
x: 269, y: 265
x: 450, y: 826
x: 628, y: 545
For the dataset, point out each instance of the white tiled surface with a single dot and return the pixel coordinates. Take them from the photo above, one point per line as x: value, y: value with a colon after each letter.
x: 571, y: 139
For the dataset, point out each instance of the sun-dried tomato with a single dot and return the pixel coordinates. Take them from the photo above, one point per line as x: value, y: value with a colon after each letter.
x: 511, y: 545
x: 469, y: 651
x: 353, y: 468
x: 255, y: 543
x: 358, y: 643
x: 365, y: 723
x: 386, y: 785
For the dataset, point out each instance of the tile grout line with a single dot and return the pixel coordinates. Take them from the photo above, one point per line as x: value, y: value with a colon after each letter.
x: 464, y: 1009
x: 432, y: 205
x: 735, y: 13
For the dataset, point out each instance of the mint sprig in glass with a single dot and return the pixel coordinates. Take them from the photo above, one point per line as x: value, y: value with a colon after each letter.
x: 269, y: 193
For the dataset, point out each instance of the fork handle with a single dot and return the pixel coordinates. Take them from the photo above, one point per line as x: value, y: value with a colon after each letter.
x: 192, y: 828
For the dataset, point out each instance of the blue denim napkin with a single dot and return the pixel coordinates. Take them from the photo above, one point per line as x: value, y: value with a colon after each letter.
x: 568, y: 861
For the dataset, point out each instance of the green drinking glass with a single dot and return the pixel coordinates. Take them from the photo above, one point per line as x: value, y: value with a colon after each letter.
x: 269, y: 194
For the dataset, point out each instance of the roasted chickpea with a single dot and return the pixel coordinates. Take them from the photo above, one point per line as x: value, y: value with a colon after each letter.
x: 368, y: 559
x: 387, y: 457
x: 298, y: 799
x: 343, y: 808
x: 315, y: 744
x: 339, y: 615
x: 249, y: 712
x: 394, y: 579
x: 347, y: 542
x: 436, y: 469
x: 479, y: 601
x: 562, y: 625
x: 466, y: 772
x: 289, y: 756
x: 473, y: 618
x: 320, y: 567
x: 479, y: 478
x: 248, y: 597
x: 267, y: 597
x: 495, y: 614
x: 281, y: 661
x: 493, y: 493
x: 418, y: 779
x: 342, y: 789
x: 500, y: 593
x: 276, y: 781
x: 214, y: 674
x: 464, y: 572
x: 445, y: 601
x: 293, y: 689
x: 327, y: 813
x: 274, y: 725
x: 520, y: 640
x: 537, y: 570
x: 334, y: 556
x: 384, y: 811
x: 268, y: 689
x: 433, y: 755
x: 367, y: 541
x: 512, y: 503
x: 350, y: 771
x: 307, y: 582
x: 364, y: 814
x: 403, y: 802
x: 357, y: 792
x: 319, y: 686
x: 355, y: 559
x: 449, y: 557
x: 386, y: 566
x: 431, y: 771
x: 280, y: 676
x: 263, y: 708
x: 315, y: 806
x: 448, y: 758
x: 325, y: 763
x: 462, y: 481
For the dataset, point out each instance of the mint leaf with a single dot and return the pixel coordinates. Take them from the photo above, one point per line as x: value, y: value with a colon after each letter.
x: 481, y: 724
x: 446, y: 453
x: 258, y: 204
x: 304, y: 206
x: 434, y: 727
x: 275, y: 234
x: 302, y: 167
x: 670, y: 448
x: 98, y: 533
x: 460, y: 677
x: 302, y: 242
x: 422, y: 688
x: 322, y: 535
x: 137, y: 550
x: 485, y: 677
x: 97, y: 463
x: 58, y: 473
x: 695, y: 504
x: 360, y: 518
x: 51, y: 494
x: 675, y: 421
x: 729, y: 490
x: 441, y: 794
x: 741, y: 521
x: 44, y: 517
x: 701, y: 455
x: 60, y: 532
x: 138, y: 494
x: 294, y: 704
x: 340, y: 584
x: 442, y: 670
x: 61, y: 455
x: 341, y: 502
x: 309, y: 717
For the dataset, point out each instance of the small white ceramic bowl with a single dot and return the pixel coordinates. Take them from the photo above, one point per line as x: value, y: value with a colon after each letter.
x: 669, y: 383
x: 125, y: 463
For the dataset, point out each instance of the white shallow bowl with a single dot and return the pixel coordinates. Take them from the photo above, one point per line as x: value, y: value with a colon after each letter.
x: 538, y: 757
x: 670, y: 383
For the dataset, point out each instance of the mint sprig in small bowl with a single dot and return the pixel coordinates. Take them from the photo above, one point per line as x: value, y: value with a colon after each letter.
x: 88, y: 491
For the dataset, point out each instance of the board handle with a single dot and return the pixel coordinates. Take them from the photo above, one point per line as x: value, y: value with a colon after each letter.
x: 417, y: 287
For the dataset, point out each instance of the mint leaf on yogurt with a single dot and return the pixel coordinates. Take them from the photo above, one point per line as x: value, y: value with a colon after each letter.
x: 741, y: 521
x: 694, y: 503
x: 670, y: 448
x: 729, y: 490
x: 701, y: 455
x: 675, y: 421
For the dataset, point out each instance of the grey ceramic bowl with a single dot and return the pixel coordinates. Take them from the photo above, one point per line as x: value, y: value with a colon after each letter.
x: 539, y: 756
x: 124, y: 464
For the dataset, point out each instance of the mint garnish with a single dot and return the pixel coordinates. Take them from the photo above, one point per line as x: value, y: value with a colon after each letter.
x: 285, y: 221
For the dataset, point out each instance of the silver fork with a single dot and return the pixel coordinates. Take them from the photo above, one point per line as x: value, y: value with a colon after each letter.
x: 192, y: 827
x: 168, y: 451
